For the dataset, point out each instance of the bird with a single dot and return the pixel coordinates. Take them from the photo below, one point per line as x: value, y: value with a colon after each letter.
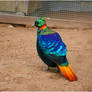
x: 52, y: 50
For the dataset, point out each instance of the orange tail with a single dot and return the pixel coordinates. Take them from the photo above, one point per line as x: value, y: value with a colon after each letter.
x: 68, y: 72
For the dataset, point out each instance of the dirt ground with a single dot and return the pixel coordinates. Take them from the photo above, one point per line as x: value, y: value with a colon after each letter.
x: 21, y: 69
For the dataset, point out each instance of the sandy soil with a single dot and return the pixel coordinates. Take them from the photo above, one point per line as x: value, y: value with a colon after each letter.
x: 21, y: 68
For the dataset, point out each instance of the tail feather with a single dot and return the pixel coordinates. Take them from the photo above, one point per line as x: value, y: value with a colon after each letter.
x: 75, y: 78
x: 68, y: 72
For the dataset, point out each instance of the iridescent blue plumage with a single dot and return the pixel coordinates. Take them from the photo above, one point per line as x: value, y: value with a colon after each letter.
x: 52, y: 47
x: 52, y: 44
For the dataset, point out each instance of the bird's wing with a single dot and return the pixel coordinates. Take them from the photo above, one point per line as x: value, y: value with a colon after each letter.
x: 52, y: 46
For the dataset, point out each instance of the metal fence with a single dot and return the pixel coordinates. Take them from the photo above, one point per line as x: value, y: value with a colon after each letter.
x: 67, y: 10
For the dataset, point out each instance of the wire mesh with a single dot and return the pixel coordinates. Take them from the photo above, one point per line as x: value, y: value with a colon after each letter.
x: 67, y: 10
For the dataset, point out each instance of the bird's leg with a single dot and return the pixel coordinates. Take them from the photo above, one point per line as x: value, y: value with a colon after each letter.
x: 58, y: 69
x: 46, y: 68
x: 53, y: 69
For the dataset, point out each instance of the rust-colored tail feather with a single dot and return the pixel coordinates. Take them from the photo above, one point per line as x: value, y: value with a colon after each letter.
x: 68, y: 72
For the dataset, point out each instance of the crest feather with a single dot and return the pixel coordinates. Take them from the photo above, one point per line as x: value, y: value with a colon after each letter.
x: 43, y: 18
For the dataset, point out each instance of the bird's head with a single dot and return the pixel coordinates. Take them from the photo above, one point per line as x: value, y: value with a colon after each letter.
x: 40, y: 22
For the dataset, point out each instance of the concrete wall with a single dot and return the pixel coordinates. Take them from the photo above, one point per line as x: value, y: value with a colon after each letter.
x: 7, y: 6
x: 13, y: 6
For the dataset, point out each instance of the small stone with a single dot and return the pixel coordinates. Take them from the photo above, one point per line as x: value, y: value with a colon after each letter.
x: 10, y: 26
x: 45, y: 68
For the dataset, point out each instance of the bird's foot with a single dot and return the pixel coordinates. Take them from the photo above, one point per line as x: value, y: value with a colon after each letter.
x: 58, y: 69
x: 45, y: 68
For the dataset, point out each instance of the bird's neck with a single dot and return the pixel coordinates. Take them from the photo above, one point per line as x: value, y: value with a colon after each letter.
x: 43, y: 30
x: 43, y: 27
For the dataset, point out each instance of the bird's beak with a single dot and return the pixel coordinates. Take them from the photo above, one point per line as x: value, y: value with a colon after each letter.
x: 33, y: 25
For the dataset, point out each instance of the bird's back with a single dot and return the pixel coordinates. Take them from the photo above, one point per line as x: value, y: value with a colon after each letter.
x: 51, y: 46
